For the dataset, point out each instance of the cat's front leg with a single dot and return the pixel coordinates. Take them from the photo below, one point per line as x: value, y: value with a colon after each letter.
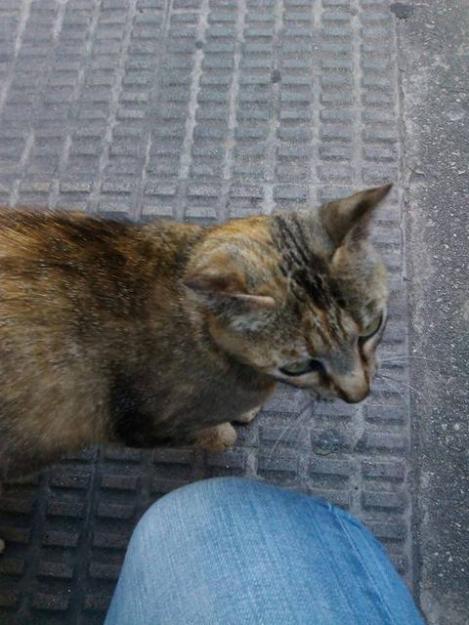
x: 248, y: 416
x: 217, y: 437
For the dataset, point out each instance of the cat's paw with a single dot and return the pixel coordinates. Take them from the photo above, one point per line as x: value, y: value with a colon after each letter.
x: 248, y: 416
x: 217, y: 438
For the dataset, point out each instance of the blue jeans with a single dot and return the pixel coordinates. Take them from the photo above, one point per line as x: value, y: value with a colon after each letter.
x: 238, y: 552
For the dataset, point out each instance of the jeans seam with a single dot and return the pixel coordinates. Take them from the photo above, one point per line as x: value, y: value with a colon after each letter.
x: 333, y: 571
x: 361, y: 560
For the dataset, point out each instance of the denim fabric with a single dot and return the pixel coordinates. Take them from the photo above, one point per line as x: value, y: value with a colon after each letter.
x: 239, y: 552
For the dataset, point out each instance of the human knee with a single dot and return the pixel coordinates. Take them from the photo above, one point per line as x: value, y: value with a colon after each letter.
x: 190, y: 498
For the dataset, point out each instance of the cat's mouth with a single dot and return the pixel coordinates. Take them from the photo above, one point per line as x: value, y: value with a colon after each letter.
x: 325, y: 399
x: 319, y: 395
x: 322, y: 395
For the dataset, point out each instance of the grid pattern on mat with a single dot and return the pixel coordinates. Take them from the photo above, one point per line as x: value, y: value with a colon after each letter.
x: 200, y: 110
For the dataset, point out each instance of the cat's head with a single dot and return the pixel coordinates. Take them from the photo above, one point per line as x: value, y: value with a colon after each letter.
x: 298, y: 296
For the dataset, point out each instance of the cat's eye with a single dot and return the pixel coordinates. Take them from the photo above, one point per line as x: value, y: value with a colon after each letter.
x: 372, y: 328
x: 303, y: 366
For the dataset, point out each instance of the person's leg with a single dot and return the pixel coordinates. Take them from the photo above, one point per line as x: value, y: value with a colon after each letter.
x: 240, y: 552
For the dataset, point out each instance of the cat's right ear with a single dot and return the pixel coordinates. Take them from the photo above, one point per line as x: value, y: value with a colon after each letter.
x: 349, y: 218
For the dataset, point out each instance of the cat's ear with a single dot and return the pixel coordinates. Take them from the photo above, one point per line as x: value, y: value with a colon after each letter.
x: 349, y: 218
x: 222, y: 281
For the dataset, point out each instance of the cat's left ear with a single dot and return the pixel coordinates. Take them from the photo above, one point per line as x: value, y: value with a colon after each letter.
x: 218, y: 278
x: 348, y: 219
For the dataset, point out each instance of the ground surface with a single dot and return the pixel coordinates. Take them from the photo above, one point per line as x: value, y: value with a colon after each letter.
x: 434, y: 52
x: 206, y: 109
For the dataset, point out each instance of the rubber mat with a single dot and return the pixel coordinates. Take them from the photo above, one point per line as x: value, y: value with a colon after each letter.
x: 201, y: 110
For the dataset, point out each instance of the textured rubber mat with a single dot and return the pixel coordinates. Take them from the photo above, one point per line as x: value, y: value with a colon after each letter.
x: 201, y: 110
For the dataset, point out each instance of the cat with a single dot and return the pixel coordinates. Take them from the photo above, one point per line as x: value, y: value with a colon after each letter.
x: 166, y: 333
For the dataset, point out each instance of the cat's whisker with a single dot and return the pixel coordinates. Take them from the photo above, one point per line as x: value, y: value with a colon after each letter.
x: 429, y: 364
x: 383, y: 364
x: 392, y: 387
x: 294, y: 423
x: 404, y: 357
x: 399, y: 358
x: 396, y: 383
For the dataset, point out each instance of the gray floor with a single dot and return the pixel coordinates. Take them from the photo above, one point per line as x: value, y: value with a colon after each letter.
x: 206, y: 109
x: 434, y: 59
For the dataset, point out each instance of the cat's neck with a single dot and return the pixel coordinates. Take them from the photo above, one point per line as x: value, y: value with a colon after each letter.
x: 215, y: 355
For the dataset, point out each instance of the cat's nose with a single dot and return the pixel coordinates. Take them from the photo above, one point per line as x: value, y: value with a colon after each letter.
x: 352, y: 388
x: 356, y: 395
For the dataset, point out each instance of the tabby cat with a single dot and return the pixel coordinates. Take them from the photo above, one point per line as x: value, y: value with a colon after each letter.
x: 165, y: 333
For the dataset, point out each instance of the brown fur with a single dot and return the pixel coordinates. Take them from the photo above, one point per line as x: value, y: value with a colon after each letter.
x: 152, y: 334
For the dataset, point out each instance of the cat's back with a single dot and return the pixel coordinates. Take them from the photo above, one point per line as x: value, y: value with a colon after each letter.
x: 57, y: 236
x: 59, y: 265
x: 52, y: 260
x: 67, y: 238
